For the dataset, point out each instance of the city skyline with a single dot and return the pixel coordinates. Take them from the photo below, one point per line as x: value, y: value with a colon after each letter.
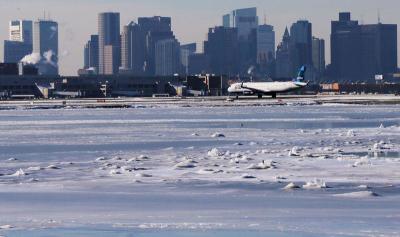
x: 204, y: 15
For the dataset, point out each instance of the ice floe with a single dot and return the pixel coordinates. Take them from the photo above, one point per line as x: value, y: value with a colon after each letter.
x: 295, y: 151
x: 360, y: 194
x: 19, y: 173
x: 34, y: 168
x: 351, y: 133
x: 262, y: 165
x: 382, y: 145
x: 248, y: 176
x: 101, y: 159
x: 291, y: 186
x: 115, y: 172
x: 362, y: 161
x: 186, y: 164
x: 5, y: 227
x: 218, y: 135
x: 141, y: 175
x: 315, y: 184
x: 53, y: 167
x: 215, y: 153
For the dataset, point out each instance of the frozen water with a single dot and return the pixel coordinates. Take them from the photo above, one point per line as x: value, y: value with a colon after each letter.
x: 132, y: 168
x: 315, y: 184
x: 174, y: 233
x: 291, y: 186
x: 360, y: 194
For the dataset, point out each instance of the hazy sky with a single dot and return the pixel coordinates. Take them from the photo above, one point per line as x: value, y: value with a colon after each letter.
x: 190, y: 18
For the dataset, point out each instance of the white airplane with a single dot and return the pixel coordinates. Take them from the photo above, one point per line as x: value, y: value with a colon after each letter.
x: 268, y: 88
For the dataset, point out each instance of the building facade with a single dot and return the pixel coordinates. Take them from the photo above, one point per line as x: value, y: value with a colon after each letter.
x: 14, y: 51
x: 45, y: 44
x: 359, y: 52
x: 133, y: 51
x: 111, y: 56
x: 167, y: 57
x: 186, y: 51
x: 154, y: 29
x: 20, y: 41
x: 199, y: 63
x: 222, y: 50
x: 109, y: 35
x: 318, y: 55
x: 21, y: 30
x: 91, y: 53
x: 301, y: 46
x: 283, y: 57
x: 245, y: 20
x: 265, y: 44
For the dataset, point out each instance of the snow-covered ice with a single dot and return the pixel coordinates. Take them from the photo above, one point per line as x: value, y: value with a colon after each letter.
x: 203, y: 167
x: 360, y: 194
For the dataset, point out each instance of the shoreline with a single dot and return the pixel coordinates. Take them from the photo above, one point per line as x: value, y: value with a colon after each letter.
x: 221, y: 101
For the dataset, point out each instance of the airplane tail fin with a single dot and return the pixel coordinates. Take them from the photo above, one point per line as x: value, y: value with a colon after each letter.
x: 300, y: 75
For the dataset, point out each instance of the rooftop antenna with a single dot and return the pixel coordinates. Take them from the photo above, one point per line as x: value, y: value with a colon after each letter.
x: 44, y: 14
x: 379, y: 16
x: 265, y: 18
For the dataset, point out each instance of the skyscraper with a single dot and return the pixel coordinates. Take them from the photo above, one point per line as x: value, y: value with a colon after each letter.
x: 283, y: 57
x: 186, y: 51
x: 345, y: 48
x: 45, y: 44
x: 167, y: 56
x: 379, y: 49
x: 359, y: 52
x: 301, y: 45
x: 133, y: 43
x: 109, y: 35
x: 222, y: 50
x: 21, y: 30
x: 155, y: 24
x: 91, y: 53
x: 245, y: 20
x: 265, y: 44
x: 154, y: 29
x: 111, y: 54
x: 318, y: 55
x: 20, y: 41
x: 14, y: 51
x: 198, y: 64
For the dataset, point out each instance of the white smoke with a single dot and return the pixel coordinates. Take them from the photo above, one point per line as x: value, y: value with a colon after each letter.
x: 33, y: 58
x: 48, y: 57
x: 54, y: 30
x: 64, y: 54
x: 46, y: 63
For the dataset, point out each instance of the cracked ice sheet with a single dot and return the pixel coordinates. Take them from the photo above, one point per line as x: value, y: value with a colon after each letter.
x: 185, y: 168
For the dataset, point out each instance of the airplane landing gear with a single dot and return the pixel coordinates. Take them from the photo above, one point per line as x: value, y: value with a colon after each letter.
x: 274, y: 96
x: 259, y: 96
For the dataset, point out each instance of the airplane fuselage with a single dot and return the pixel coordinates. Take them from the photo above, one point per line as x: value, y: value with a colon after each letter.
x: 267, y: 88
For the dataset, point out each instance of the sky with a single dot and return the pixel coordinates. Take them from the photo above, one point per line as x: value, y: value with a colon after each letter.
x: 190, y: 18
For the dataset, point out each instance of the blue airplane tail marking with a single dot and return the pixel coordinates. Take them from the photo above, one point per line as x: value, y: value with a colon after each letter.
x: 300, y: 75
